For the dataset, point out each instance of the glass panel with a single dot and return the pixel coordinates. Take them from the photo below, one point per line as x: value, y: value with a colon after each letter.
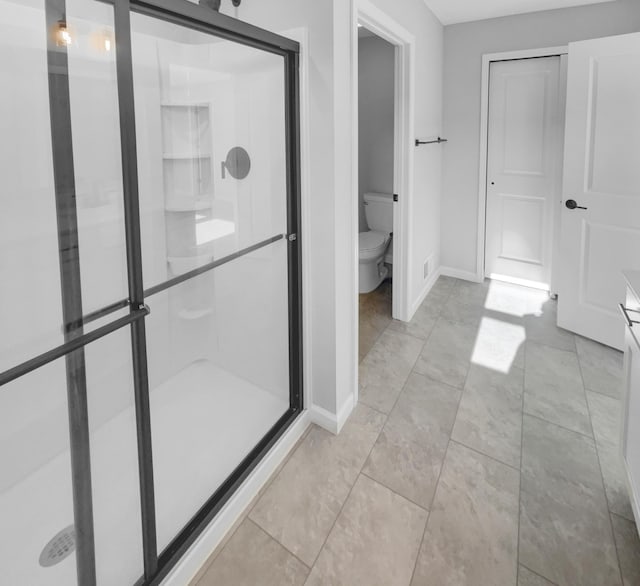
x: 219, y: 374
x: 35, y: 486
x: 210, y: 123
x: 30, y: 297
x: 114, y: 460
x: 96, y: 152
x: 30, y: 304
x: 36, y: 501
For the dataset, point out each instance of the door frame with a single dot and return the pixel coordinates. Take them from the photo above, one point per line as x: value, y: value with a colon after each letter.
x: 404, y: 43
x: 385, y: 27
x: 487, y: 59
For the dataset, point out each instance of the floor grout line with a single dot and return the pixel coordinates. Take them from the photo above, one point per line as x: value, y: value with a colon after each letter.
x: 614, y: 514
x: 282, y: 545
x: 539, y: 418
x: 524, y: 378
x: 539, y: 575
x: 393, y: 490
x: 603, y: 394
x: 604, y: 487
x: 361, y: 402
x: 246, y: 513
x: 485, y: 455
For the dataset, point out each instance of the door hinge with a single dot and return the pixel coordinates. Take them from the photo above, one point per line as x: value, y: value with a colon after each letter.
x: 292, y: 237
x: 395, y: 197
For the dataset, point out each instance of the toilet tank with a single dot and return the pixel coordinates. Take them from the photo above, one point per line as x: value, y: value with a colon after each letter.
x: 378, y: 209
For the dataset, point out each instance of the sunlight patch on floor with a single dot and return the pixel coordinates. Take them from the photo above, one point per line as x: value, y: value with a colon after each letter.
x: 497, y: 344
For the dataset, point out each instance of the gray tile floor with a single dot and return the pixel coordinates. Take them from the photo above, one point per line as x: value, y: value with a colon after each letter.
x: 484, y: 452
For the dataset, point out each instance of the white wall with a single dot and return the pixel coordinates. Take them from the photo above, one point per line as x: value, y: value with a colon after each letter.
x: 376, y: 89
x: 464, y: 46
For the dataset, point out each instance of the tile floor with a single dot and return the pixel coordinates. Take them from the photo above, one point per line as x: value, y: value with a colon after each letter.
x: 484, y: 452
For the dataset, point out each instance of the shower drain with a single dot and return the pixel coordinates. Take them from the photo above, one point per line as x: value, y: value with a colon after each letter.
x: 61, y: 546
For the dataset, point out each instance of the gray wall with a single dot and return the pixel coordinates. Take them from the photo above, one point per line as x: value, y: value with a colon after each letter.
x: 376, y: 70
x: 464, y: 46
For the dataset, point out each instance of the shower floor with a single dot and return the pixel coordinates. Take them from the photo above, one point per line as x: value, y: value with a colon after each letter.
x: 205, y: 420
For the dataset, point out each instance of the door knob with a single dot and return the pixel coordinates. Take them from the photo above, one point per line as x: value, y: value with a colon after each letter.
x: 572, y: 205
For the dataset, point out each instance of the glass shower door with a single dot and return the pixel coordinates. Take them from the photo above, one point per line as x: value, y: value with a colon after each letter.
x: 150, y: 304
x: 214, y: 185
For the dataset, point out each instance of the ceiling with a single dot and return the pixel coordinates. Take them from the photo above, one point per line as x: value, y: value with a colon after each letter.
x: 454, y: 11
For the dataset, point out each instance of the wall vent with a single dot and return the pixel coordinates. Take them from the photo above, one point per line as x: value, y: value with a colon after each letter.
x: 427, y: 268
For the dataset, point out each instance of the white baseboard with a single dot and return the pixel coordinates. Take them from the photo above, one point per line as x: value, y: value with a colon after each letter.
x: 199, y: 552
x: 430, y: 282
x: 458, y: 274
x: 329, y: 421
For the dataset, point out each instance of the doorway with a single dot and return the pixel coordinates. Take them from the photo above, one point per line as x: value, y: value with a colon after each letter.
x: 404, y: 43
x: 376, y: 159
x: 152, y: 350
x: 524, y: 153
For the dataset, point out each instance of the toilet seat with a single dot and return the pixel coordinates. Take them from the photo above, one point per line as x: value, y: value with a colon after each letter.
x: 372, y: 244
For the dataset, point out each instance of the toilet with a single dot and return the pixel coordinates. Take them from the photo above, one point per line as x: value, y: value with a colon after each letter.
x: 374, y: 245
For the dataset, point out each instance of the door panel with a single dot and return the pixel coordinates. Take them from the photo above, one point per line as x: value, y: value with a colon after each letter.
x: 602, y: 174
x: 523, y: 168
x: 614, y: 139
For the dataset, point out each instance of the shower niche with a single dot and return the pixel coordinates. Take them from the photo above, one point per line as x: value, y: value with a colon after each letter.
x: 186, y: 140
x: 188, y: 193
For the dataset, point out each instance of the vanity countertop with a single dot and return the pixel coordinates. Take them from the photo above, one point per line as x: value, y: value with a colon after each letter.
x: 633, y: 280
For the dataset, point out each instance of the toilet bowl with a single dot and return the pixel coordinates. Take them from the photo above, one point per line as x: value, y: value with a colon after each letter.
x: 372, y: 271
x: 373, y: 244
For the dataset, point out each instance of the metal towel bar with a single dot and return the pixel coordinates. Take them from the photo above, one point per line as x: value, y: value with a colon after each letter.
x: 438, y: 141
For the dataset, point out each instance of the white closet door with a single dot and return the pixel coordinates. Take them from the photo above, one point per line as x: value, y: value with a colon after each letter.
x: 602, y: 174
x: 524, y: 168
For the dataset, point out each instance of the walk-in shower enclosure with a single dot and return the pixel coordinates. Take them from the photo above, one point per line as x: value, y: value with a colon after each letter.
x: 149, y: 279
